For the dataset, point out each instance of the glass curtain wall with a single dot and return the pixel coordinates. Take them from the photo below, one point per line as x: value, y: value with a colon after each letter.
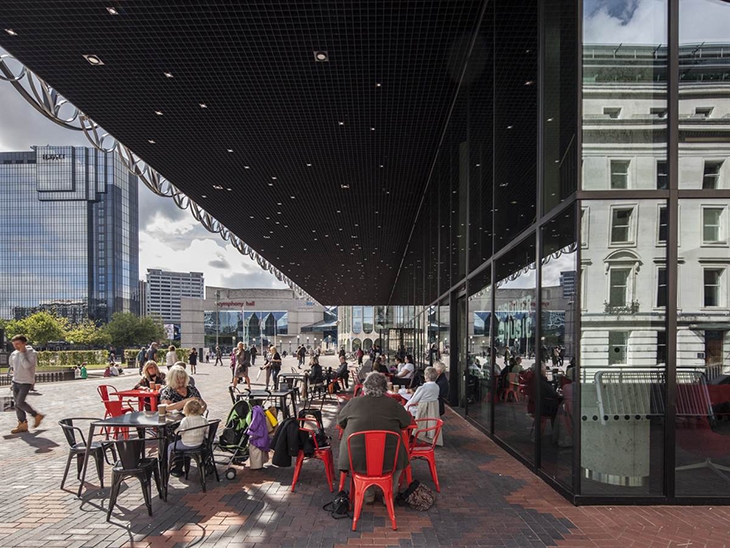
x: 595, y: 328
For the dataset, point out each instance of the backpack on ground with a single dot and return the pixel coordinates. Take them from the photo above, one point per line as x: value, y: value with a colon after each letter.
x: 417, y: 496
x: 340, y: 506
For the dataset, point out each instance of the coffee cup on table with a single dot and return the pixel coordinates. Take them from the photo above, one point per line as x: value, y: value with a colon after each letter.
x: 153, y: 386
x: 162, y: 409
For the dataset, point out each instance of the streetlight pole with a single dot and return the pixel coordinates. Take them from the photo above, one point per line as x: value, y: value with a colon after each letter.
x: 217, y: 315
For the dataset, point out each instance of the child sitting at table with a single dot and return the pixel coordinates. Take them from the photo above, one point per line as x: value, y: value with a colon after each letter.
x: 190, y: 435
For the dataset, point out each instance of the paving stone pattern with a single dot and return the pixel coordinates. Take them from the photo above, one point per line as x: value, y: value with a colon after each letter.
x: 486, y: 499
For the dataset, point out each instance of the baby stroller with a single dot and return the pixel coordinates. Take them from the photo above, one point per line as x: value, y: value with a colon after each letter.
x: 233, y: 439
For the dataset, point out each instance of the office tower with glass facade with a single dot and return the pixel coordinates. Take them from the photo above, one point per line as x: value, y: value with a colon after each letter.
x: 165, y: 291
x: 69, y: 220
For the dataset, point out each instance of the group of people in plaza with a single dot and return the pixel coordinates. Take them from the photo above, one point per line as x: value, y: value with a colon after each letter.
x: 427, y: 392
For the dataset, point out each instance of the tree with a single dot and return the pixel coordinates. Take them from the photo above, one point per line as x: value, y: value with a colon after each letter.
x: 88, y: 334
x: 40, y: 328
x: 126, y: 330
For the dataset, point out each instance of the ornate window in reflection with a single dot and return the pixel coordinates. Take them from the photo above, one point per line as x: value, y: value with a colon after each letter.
x: 367, y: 319
x: 357, y: 319
x: 622, y: 367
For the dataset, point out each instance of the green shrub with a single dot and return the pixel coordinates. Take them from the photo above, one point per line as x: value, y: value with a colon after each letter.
x: 67, y: 358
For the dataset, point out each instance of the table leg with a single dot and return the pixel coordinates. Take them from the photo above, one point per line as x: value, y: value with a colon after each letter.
x: 153, y: 403
x: 140, y: 403
x: 162, y: 458
x: 86, y: 458
x: 294, y: 405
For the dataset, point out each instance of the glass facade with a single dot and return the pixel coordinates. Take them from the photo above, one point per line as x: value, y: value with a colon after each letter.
x: 570, y: 262
x: 73, y: 212
x: 255, y: 328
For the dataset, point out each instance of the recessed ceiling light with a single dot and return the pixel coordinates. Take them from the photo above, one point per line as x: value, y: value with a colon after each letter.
x: 509, y: 127
x: 230, y: 150
x: 203, y: 196
x: 338, y: 211
x: 169, y: 75
x: 251, y: 217
x: 11, y: 32
x: 203, y: 105
x: 158, y: 112
x: 377, y: 85
x: 321, y: 56
x: 292, y: 197
x: 150, y: 141
x: 381, y: 165
x: 342, y: 123
x: 274, y: 178
x: 372, y: 129
x: 550, y: 119
x: 93, y: 60
x: 529, y: 82
x: 246, y: 167
x: 112, y: 11
x: 271, y: 184
x: 309, y: 165
x: 218, y: 187
x: 229, y: 189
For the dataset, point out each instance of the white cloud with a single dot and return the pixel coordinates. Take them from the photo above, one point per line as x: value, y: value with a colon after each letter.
x: 644, y: 22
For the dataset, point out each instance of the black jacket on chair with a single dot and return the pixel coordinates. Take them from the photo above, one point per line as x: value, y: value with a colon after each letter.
x: 286, y: 442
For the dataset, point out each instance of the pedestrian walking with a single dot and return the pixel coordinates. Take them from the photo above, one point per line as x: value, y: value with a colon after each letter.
x: 23, y: 361
x: 141, y: 358
x: 171, y: 357
x: 218, y: 356
x: 254, y: 352
x: 152, y: 352
x: 193, y: 361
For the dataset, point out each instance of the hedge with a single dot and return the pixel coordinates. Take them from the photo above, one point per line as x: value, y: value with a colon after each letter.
x: 182, y: 354
x: 49, y: 358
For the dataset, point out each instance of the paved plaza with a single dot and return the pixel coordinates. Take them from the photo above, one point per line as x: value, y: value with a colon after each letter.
x: 487, y: 498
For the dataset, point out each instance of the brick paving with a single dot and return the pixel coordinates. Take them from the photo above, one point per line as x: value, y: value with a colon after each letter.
x: 486, y: 499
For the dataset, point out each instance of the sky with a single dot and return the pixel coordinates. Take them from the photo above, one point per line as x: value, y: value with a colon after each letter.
x: 169, y: 237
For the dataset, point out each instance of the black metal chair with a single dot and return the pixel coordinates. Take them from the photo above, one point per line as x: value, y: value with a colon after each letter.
x: 77, y: 449
x: 133, y: 463
x: 202, y: 455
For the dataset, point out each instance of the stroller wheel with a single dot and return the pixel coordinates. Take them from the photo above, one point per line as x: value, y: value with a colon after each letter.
x: 231, y: 473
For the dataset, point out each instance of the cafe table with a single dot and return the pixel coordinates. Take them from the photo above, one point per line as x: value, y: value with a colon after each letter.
x: 141, y: 421
x: 297, y: 378
x: 281, y: 395
x: 141, y: 395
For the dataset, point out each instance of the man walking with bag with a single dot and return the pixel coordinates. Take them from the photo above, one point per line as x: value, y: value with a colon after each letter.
x: 23, y: 362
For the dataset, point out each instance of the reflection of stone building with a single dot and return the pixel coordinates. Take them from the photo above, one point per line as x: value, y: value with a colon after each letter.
x: 362, y: 326
x: 623, y: 255
x: 255, y: 316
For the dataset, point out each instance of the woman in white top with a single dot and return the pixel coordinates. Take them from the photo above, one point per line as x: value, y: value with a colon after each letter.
x: 426, y: 393
x: 171, y: 357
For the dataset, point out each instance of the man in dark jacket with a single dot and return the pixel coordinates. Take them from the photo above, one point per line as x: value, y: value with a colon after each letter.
x: 373, y: 411
x: 443, y: 384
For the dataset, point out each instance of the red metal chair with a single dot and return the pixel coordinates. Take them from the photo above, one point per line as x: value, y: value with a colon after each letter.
x: 378, y: 472
x: 420, y: 449
x: 116, y: 408
x: 107, y: 392
x: 322, y: 453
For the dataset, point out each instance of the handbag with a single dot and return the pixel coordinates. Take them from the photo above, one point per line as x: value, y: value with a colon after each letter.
x: 340, y: 506
x: 417, y: 496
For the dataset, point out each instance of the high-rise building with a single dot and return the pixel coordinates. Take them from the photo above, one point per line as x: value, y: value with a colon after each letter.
x: 142, y: 291
x: 72, y: 213
x: 166, y: 289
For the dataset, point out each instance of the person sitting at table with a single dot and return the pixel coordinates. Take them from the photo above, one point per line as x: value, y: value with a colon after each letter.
x: 185, y: 367
x: 343, y: 373
x: 373, y: 411
x: 380, y: 367
x: 404, y: 376
x: 315, y: 375
x: 178, y: 390
x: 193, y: 411
x: 427, y: 393
x: 150, y: 374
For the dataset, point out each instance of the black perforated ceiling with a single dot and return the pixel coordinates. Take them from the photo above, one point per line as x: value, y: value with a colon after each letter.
x: 299, y: 130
